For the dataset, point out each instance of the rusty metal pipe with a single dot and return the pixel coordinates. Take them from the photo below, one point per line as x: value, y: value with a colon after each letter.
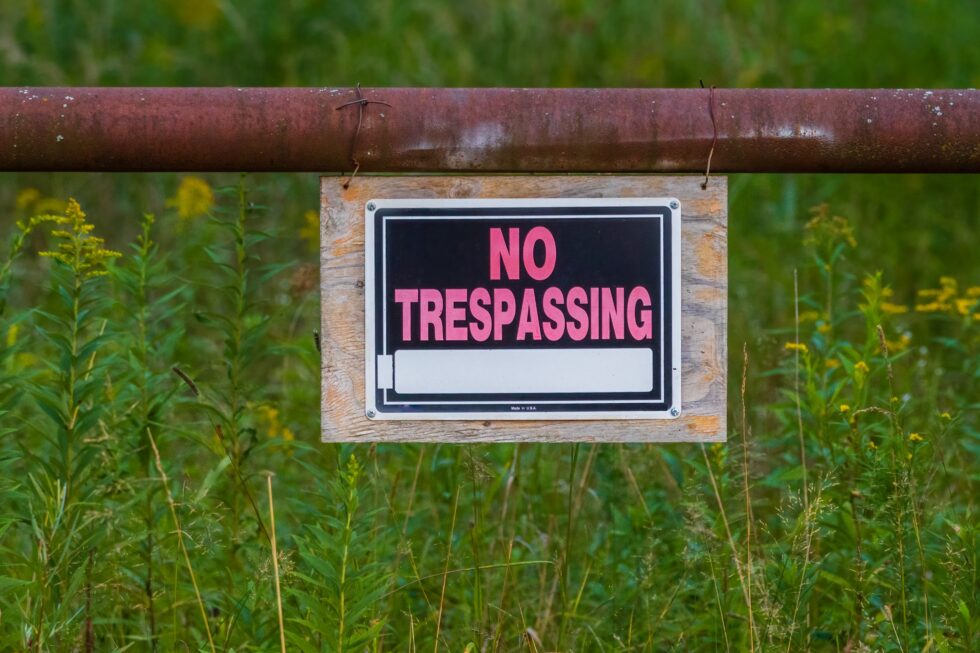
x: 489, y: 130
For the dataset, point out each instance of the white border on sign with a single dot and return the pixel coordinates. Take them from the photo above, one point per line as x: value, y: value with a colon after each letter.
x: 370, y: 352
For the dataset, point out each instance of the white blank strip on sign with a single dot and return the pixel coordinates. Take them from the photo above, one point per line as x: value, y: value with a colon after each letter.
x: 513, y: 371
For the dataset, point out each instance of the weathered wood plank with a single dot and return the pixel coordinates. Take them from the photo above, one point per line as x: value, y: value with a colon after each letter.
x: 704, y: 286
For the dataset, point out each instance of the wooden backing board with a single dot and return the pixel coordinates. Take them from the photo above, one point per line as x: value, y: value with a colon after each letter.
x: 704, y: 297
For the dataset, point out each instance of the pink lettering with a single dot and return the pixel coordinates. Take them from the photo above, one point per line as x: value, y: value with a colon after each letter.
x: 593, y: 313
x: 406, y: 297
x: 640, y: 321
x: 576, y: 311
x: 555, y: 328
x: 479, y: 301
x: 456, y: 313
x: 504, y: 311
x: 528, y: 322
x: 430, y: 313
x: 612, y: 314
x: 506, y: 253
x: 545, y: 237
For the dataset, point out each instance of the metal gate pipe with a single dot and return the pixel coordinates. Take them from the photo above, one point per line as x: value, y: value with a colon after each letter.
x: 480, y: 130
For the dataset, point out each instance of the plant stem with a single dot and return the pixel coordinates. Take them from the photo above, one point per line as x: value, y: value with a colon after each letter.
x: 275, y: 565
x: 180, y: 538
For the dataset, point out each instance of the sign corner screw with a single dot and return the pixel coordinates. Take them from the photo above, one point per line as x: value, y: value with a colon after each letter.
x: 674, y: 412
x: 674, y: 204
x: 371, y: 414
x: 370, y: 206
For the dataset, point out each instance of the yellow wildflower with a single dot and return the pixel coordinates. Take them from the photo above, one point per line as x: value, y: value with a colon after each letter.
x: 79, y: 249
x: 27, y: 198
x: 796, y: 346
x: 310, y: 231
x: 946, y: 299
x: 894, y: 400
x: 823, y: 328
x: 862, y: 367
x: 824, y: 230
x: 832, y: 363
x: 844, y: 408
x: 945, y: 416
x: 964, y: 305
x: 915, y: 437
x: 50, y: 205
x: 809, y: 316
x: 194, y: 198
x: 268, y: 419
x: 900, y: 344
x: 12, y: 334
x: 872, y: 445
x: 894, y: 309
x: 197, y: 13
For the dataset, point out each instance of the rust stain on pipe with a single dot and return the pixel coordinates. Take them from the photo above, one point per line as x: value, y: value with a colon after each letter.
x: 489, y: 130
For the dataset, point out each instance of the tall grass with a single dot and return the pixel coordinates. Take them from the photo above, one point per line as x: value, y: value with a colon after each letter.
x: 145, y: 398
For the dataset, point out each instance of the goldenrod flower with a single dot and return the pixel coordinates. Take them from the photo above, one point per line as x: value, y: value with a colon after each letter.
x: 872, y: 445
x: 197, y: 13
x: 268, y: 418
x: 945, y: 416
x: 12, y: 332
x: 194, y: 198
x: 310, y: 231
x: 832, y: 363
x: 964, y: 305
x: 796, y: 346
x: 824, y: 328
x: 894, y: 309
x: 844, y: 408
x: 946, y: 299
x: 809, y: 316
x: 824, y: 230
x: 861, y: 367
x: 900, y: 344
x: 79, y: 249
x: 50, y: 205
x: 915, y: 437
x: 27, y: 198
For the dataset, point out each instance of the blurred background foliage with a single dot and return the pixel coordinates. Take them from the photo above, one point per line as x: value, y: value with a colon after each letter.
x: 626, y: 548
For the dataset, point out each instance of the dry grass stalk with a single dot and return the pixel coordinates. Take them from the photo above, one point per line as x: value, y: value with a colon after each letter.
x: 180, y: 538
x: 275, y: 564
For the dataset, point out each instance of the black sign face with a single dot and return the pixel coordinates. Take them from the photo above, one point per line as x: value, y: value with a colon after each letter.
x: 522, y: 309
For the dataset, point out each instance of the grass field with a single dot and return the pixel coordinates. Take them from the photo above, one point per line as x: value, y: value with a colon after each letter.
x: 159, y: 390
